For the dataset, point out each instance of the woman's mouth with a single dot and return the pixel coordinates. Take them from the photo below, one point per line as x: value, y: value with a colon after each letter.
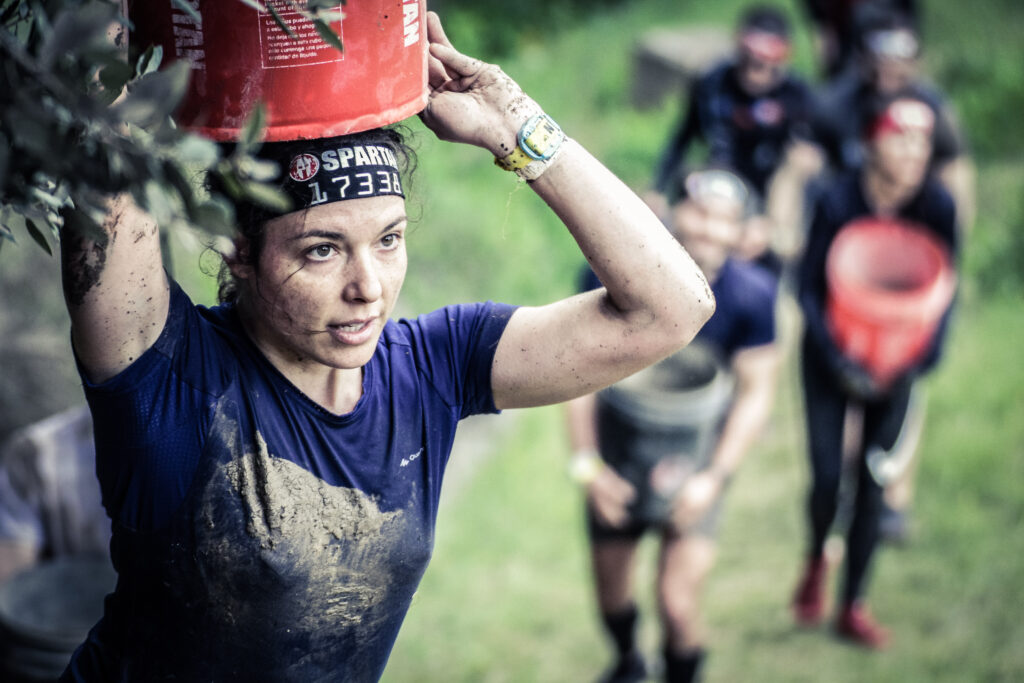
x: 352, y: 333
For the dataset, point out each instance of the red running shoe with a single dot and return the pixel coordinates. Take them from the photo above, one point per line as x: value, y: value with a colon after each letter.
x: 857, y: 625
x: 809, y: 601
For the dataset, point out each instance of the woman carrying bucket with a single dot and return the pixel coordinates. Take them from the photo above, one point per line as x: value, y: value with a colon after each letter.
x: 273, y: 465
x: 655, y: 451
x: 875, y: 287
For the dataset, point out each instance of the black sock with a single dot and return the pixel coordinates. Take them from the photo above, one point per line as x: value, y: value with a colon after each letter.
x: 683, y: 668
x: 622, y: 628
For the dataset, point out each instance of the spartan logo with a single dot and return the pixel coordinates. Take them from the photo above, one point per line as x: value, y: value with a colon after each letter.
x: 303, y: 167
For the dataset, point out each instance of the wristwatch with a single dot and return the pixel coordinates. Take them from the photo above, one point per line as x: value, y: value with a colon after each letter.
x: 539, y: 139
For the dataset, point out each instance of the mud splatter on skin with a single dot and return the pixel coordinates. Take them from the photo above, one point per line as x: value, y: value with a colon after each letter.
x: 82, y: 264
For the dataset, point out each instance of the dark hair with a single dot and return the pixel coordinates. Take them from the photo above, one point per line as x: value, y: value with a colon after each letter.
x: 874, y: 17
x: 251, y: 217
x: 765, y: 19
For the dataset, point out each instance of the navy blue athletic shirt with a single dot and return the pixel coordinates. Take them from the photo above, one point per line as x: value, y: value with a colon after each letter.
x: 744, y: 307
x: 257, y: 536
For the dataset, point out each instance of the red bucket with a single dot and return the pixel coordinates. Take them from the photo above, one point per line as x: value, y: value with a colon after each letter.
x: 240, y: 55
x: 889, y: 284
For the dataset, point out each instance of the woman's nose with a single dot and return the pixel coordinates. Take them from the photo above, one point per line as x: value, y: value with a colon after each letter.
x: 362, y: 279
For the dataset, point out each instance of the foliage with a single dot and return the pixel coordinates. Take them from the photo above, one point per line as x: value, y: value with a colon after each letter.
x: 79, y: 123
x: 494, y: 28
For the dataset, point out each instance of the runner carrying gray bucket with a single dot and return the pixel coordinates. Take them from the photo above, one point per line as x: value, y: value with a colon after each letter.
x: 658, y: 427
x: 655, y: 451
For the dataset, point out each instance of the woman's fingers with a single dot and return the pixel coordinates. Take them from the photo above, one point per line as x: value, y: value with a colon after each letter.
x: 437, y: 75
x: 456, y: 63
x: 435, y: 32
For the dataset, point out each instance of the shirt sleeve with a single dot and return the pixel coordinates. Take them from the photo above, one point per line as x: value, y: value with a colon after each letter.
x: 759, y: 329
x: 455, y: 349
x: 149, y: 420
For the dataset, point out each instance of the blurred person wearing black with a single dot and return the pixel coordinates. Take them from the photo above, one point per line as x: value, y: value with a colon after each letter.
x: 837, y: 25
x: 894, y: 183
x: 751, y: 111
x: 888, y: 62
x: 708, y: 220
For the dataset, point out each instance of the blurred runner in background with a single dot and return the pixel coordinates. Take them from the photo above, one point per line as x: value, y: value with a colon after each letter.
x: 894, y: 183
x: 838, y: 25
x: 751, y: 112
x: 708, y: 220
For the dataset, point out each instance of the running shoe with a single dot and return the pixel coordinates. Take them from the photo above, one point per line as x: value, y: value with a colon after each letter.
x: 629, y: 669
x: 809, y: 601
x: 856, y: 625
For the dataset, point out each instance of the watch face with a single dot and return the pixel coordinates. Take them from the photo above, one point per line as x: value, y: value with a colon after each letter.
x: 540, y: 137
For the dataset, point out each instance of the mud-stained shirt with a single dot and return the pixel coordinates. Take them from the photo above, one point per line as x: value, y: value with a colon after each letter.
x: 257, y: 536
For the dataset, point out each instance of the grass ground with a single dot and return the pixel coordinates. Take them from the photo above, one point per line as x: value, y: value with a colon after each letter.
x: 508, y: 597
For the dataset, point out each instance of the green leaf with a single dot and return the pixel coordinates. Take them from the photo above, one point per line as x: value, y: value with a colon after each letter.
x: 267, y: 195
x: 258, y: 6
x: 160, y: 201
x: 197, y: 151
x: 78, y: 29
x: 149, y: 61
x: 37, y: 236
x: 328, y: 35
x: 114, y: 76
x: 252, y: 129
x: 215, y: 216
x: 5, y: 153
x: 80, y: 223
x: 258, y: 169
x: 280, y: 22
x: 154, y: 96
x: 188, y: 9
x: 317, y: 5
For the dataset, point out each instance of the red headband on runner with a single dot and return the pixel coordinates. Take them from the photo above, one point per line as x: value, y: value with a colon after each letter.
x: 768, y: 47
x: 902, y: 116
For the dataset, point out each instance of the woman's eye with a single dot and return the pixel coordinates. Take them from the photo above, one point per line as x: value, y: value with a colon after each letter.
x: 321, y: 252
x: 389, y: 240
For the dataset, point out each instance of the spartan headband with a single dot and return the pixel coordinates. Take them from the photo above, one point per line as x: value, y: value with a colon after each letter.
x: 328, y: 170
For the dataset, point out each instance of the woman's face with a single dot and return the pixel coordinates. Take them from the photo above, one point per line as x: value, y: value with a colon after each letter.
x: 902, y: 157
x: 709, y: 229
x: 326, y: 281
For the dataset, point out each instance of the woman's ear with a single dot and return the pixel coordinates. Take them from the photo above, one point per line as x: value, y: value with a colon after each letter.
x: 239, y: 262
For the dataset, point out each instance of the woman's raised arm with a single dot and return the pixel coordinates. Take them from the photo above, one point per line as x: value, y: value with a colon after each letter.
x: 655, y: 297
x: 116, y: 290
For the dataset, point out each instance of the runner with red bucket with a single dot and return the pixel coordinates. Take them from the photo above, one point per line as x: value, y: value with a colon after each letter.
x: 875, y: 287
x: 273, y: 465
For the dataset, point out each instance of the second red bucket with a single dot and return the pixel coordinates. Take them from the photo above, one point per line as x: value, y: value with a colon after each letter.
x: 240, y: 55
x: 889, y: 284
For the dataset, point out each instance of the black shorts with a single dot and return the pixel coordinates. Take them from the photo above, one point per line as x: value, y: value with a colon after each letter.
x: 634, y: 529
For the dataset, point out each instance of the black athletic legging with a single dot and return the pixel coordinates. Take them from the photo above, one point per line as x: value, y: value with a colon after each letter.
x: 825, y: 403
